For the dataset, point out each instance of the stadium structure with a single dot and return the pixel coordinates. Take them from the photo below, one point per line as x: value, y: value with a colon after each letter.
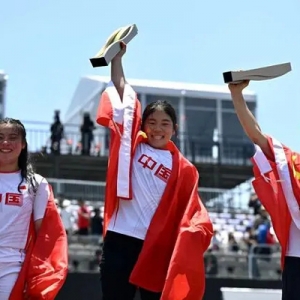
x: 206, y: 115
x: 207, y: 121
x: 3, y: 80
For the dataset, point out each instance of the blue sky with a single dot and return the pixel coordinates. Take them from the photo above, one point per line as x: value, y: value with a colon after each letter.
x: 46, y: 45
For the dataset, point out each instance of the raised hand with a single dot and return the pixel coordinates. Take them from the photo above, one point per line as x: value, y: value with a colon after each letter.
x: 121, y: 53
x: 117, y: 73
x: 238, y: 87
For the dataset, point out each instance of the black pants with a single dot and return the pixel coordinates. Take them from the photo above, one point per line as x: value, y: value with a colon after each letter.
x: 120, y: 253
x: 291, y: 279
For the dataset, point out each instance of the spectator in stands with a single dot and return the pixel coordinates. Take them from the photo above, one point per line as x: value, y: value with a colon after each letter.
x: 250, y: 237
x: 66, y: 216
x: 255, y: 204
x: 211, y: 263
x: 75, y: 265
x: 216, y: 241
x: 262, y: 231
x: 233, y: 245
x: 264, y: 237
x: 57, y: 133
x: 87, y: 135
x: 83, y: 221
x: 94, y: 263
x: 96, y: 223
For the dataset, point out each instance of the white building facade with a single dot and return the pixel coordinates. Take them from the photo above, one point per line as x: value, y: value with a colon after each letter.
x: 205, y: 112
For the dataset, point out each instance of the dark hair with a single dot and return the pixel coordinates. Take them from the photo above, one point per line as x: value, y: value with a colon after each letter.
x: 160, y: 105
x: 24, y: 164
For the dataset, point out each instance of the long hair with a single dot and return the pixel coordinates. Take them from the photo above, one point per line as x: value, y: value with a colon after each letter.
x: 24, y: 164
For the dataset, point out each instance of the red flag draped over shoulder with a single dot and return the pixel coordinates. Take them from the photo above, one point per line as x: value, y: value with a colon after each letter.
x: 180, y: 232
x: 123, y: 118
x: 277, y: 185
x: 45, y: 268
x: 186, y: 271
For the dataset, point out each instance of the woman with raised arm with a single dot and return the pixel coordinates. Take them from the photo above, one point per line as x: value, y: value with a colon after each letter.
x: 277, y: 185
x: 156, y: 228
x: 33, y: 243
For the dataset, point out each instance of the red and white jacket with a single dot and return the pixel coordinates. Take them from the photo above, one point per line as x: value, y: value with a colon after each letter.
x: 277, y: 185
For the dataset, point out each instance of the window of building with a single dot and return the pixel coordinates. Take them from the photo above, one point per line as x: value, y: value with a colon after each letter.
x: 201, y: 118
x: 200, y: 102
x: 200, y: 124
x: 236, y: 144
x: 231, y: 126
x: 232, y: 129
x: 227, y: 104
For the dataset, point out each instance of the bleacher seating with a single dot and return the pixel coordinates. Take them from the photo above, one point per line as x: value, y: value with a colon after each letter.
x: 82, y: 249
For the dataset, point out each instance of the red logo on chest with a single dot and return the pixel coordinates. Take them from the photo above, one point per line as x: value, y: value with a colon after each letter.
x: 12, y: 199
x: 162, y: 172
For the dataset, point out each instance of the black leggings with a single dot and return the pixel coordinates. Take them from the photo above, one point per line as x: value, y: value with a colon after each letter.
x: 291, y: 279
x: 120, y: 253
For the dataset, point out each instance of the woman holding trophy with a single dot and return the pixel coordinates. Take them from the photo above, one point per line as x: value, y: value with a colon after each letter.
x: 156, y: 228
x: 277, y: 185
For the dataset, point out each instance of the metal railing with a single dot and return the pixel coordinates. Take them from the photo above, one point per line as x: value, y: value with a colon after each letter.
x: 259, y: 254
x: 220, y: 264
x: 200, y: 149
x: 240, y: 264
x: 78, y: 189
x: 214, y: 199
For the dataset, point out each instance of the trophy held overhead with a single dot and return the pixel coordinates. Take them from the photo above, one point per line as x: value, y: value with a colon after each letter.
x: 112, y: 46
x: 263, y: 73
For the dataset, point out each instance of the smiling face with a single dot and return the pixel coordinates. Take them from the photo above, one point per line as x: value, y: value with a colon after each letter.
x: 159, y: 129
x: 11, y: 144
x: 159, y: 123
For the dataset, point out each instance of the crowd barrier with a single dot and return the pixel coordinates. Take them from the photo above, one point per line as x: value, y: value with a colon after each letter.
x: 231, y: 149
x: 263, y: 257
x: 214, y: 198
x: 82, y: 286
x: 219, y: 264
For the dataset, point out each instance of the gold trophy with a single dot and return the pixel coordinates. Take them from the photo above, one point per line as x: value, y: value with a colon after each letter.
x: 112, y: 45
x: 264, y: 73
